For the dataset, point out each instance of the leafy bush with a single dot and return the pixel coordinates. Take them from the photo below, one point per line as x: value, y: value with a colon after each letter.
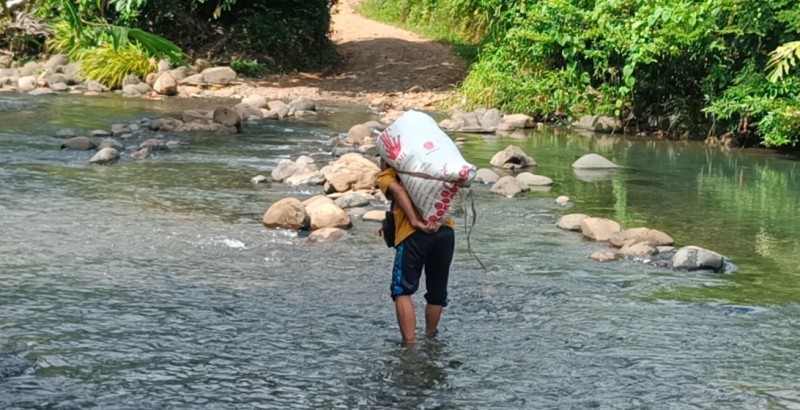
x: 251, y: 68
x: 686, y: 67
x: 110, y: 66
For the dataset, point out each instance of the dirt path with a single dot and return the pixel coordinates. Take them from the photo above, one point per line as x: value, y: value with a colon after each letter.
x: 376, y: 60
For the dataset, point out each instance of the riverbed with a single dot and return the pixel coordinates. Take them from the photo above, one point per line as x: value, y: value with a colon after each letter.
x: 152, y: 284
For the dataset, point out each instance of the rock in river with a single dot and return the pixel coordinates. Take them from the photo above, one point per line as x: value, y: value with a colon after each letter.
x: 78, y: 144
x: 599, y: 123
x: 509, y: 186
x: 692, y: 258
x: 324, y: 213
x: 154, y: 144
x: 571, y: 222
x: 351, y: 200
x: 110, y: 143
x: 358, y: 133
x: 105, y: 156
x: 327, y: 235
x: 599, y: 229
x: 604, y: 256
x: 593, y: 161
x: 512, y: 158
x: 288, y: 213
x: 650, y: 236
x: 534, y: 180
x: 374, y: 216
x: 486, y: 176
x: 219, y: 75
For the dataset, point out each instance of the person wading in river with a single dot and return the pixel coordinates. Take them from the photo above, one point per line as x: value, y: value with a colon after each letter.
x: 419, y: 245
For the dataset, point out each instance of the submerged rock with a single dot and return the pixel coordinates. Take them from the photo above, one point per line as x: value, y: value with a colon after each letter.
x: 509, y: 187
x: 351, y: 200
x: 593, y: 161
x: 42, y: 91
x: 288, y: 213
x: 650, y: 236
x: 486, y: 176
x: 105, y: 156
x: 78, y: 144
x: 534, y: 180
x: 154, y: 144
x: 110, y: 143
x: 604, y: 256
x: 358, y: 133
x: 562, y: 200
x: 65, y: 133
x: 599, y: 229
x: 142, y: 153
x: 227, y: 117
x: 327, y: 235
x: 259, y: 179
x: 692, y: 258
x: 571, y: 222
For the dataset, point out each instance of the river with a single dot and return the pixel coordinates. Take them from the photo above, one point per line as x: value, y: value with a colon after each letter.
x: 152, y: 284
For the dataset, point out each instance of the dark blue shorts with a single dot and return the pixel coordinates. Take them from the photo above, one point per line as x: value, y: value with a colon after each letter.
x: 431, y: 252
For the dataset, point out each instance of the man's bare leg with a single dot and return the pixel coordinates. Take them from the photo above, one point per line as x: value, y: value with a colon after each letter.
x: 432, y: 315
x: 406, y: 318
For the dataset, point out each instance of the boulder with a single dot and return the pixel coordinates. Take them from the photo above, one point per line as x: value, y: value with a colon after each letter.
x: 651, y: 237
x: 599, y: 123
x: 142, y: 153
x: 509, y: 186
x: 593, y: 161
x: 42, y: 91
x: 303, y: 104
x: 154, y: 145
x: 119, y: 129
x: 131, y: 79
x: 110, y: 143
x: 246, y: 111
x: 196, y: 79
x: 352, y: 171
x: 327, y: 235
x: 55, y: 61
x: 599, y: 229
x: 219, y: 75
x: 179, y: 73
x: 276, y: 104
x: 165, y: 84
x: 56, y: 78
x: 517, y: 121
x: 255, y: 100
x: 105, y: 156
x: 369, y: 150
x: 562, y: 200
x: 30, y: 68
x: 286, y: 169
x: 375, y: 126
x: 136, y: 90
x: 306, y: 178
x: 78, y: 144
x: 512, y: 158
x: 288, y: 213
x: 201, y: 64
x: 490, y: 119
x: 357, y: 133
x: 65, y: 133
x: 27, y: 84
x: 327, y: 215
x: 202, y: 117
x: 692, y: 258
x: 59, y: 87
x: 571, y: 222
x: 486, y: 176
x: 604, y: 256
x: 304, y: 160
x: 96, y: 86
x: 351, y: 200
x: 163, y: 66
x: 227, y: 117
x: 534, y: 180
x: 468, y: 120
x: 189, y: 91
x: 637, y: 249
x: 374, y: 216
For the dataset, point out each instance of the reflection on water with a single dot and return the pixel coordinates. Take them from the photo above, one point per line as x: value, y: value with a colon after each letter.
x: 153, y: 285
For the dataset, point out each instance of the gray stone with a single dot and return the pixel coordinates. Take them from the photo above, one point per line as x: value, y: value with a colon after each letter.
x: 604, y: 256
x: 166, y: 85
x: 304, y: 178
x: 60, y: 87
x: 375, y: 125
x: 179, y: 73
x: 599, y: 123
x: 131, y: 79
x: 255, y: 100
x: 351, y: 200
x: 599, y: 229
x: 105, y: 156
x: 518, y: 121
x: 219, y: 75
x: 163, y: 66
x: 56, y: 78
x: 65, y: 133
x: 369, y: 150
x: 286, y: 169
x: 42, y: 91
x: 470, y: 120
x: 119, y: 129
x: 512, y: 158
x: 303, y: 104
x: 142, y: 153
x: 490, y: 119
x: 200, y: 116
x: 154, y: 145
x: 534, y: 180
x: 133, y: 127
x: 227, y: 117
x: 304, y: 113
x: 173, y: 144
x: 276, y: 105
x: 259, y: 179
x: 593, y: 161
x: 100, y: 133
x: 196, y: 79
x: 358, y: 133
x: 571, y: 222
x: 111, y: 143
x: 96, y: 86
x: 27, y: 84
x: 692, y: 258
x: 246, y: 111
x: 30, y: 68
x: 662, y: 250
x: 55, y: 61
x: 486, y: 176
x: 509, y: 186
x: 78, y: 144
x: 126, y: 136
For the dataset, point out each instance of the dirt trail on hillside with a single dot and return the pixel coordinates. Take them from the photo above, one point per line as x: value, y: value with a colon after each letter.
x: 376, y: 59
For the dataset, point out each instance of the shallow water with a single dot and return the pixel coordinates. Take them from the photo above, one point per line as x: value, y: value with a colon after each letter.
x: 152, y: 284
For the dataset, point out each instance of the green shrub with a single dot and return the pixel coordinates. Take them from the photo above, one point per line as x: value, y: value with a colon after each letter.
x: 110, y: 66
x: 248, y: 68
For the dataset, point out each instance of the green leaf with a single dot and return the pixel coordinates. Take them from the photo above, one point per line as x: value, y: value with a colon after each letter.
x: 119, y: 35
x: 619, y: 103
x: 627, y: 71
x: 624, y: 90
x: 158, y: 46
x: 73, y: 18
x: 586, y: 78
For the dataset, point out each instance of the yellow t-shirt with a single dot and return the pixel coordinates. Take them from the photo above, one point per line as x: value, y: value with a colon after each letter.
x: 403, y: 228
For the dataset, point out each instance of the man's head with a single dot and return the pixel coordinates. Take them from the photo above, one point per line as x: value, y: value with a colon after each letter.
x: 384, y: 165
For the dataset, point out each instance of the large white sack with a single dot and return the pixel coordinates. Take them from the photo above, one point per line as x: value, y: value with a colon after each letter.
x: 429, y: 164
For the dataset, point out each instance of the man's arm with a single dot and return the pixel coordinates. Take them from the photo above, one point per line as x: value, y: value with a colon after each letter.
x: 401, y: 198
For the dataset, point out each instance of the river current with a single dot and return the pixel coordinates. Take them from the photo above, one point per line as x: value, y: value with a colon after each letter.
x: 152, y: 284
